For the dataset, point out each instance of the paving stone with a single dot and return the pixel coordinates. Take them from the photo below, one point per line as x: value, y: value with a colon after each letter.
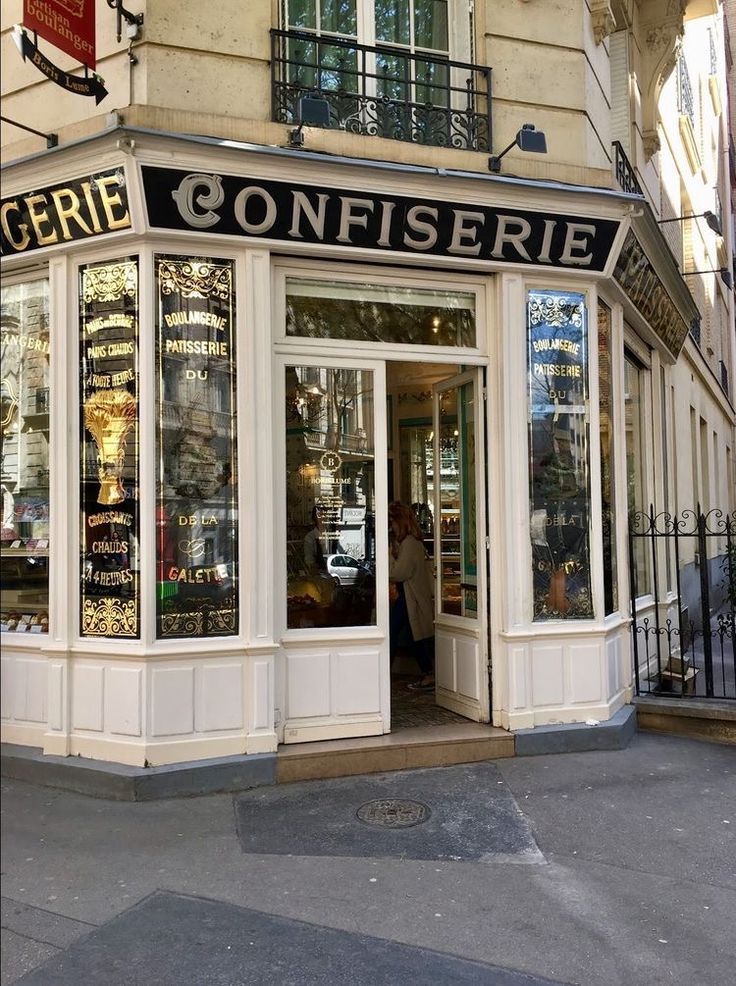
x: 471, y: 815
x: 172, y: 940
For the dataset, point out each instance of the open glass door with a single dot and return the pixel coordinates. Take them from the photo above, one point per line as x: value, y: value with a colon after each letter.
x: 461, y: 632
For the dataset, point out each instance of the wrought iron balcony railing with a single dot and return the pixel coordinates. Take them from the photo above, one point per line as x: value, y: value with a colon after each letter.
x: 382, y: 91
x: 724, y: 376
x: 685, y: 98
x: 625, y: 175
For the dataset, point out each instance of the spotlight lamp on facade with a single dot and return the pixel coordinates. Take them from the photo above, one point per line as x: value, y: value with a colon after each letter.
x: 725, y: 273
x: 527, y: 139
x: 710, y: 217
x: 313, y: 111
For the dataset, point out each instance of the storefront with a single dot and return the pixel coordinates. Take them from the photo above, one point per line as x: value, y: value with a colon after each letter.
x: 217, y: 374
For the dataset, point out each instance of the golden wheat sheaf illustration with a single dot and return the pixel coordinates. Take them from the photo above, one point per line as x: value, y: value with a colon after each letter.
x: 108, y: 416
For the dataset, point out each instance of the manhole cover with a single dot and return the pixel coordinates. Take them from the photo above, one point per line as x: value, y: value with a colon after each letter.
x: 393, y: 813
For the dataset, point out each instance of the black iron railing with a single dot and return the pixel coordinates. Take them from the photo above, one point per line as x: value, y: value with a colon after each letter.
x: 685, y: 98
x: 724, y: 377
x: 625, y: 175
x: 382, y: 91
x: 686, y: 644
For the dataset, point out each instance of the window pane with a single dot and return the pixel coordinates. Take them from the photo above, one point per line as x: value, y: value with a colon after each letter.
x: 608, y: 512
x: 392, y: 21
x: 635, y: 468
x: 330, y: 310
x: 559, y: 456
x: 110, y: 554
x: 24, y: 351
x: 197, y: 497
x: 458, y: 570
x: 330, y: 497
x: 339, y: 17
x: 430, y: 24
x: 303, y: 13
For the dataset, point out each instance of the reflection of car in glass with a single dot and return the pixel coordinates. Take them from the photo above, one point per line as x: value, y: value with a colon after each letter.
x: 346, y: 569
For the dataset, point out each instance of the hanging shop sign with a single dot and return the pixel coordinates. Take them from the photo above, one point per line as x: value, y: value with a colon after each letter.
x: 86, y: 85
x: 109, y: 467
x: 638, y: 278
x: 230, y: 205
x: 74, y: 210
x: 68, y: 25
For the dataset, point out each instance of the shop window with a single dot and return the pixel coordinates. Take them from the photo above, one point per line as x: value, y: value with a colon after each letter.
x: 379, y: 313
x: 608, y: 507
x: 196, y: 448
x: 330, y: 497
x: 24, y: 415
x: 635, y: 383
x: 559, y: 455
x: 109, y: 449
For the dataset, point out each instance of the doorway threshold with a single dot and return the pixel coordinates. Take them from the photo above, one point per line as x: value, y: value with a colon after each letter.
x: 404, y: 749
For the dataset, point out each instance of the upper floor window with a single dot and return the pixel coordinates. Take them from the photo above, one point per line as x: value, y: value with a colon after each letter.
x: 385, y: 68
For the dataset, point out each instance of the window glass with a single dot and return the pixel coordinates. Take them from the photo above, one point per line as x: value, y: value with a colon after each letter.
x: 197, y: 494
x: 109, y: 426
x: 382, y: 313
x: 303, y: 13
x: 24, y: 415
x: 430, y: 24
x: 330, y: 497
x: 559, y: 455
x: 608, y: 511
x: 339, y: 17
x: 392, y: 21
x: 636, y: 467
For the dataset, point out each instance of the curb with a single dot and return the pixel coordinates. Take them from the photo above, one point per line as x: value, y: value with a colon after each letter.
x: 119, y: 782
x: 577, y: 737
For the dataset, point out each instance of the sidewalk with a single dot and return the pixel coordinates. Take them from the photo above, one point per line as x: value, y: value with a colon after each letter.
x: 595, y: 868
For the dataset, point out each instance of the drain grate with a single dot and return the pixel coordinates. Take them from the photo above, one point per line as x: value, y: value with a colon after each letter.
x: 393, y: 813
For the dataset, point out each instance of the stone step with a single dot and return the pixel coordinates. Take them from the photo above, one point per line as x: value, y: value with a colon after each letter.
x: 418, y: 746
x: 708, y: 719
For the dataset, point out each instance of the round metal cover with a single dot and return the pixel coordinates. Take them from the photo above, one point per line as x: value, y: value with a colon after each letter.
x: 393, y: 813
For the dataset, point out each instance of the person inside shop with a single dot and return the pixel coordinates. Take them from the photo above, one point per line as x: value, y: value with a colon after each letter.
x: 411, y: 591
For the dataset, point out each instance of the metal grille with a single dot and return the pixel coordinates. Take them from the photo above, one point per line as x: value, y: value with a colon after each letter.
x: 685, y: 645
x: 382, y: 91
x: 625, y: 175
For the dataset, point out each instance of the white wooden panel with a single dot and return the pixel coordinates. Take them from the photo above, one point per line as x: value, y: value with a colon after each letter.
x: 56, y: 696
x: 262, y: 695
x: 6, y: 694
x: 172, y: 701
x: 613, y: 658
x: 445, y: 661
x: 466, y: 662
x: 123, y: 701
x: 220, y: 700
x: 87, y: 696
x: 547, y: 671
x: 585, y: 672
x: 357, y: 682
x: 518, y: 677
x: 307, y: 684
x: 36, y: 690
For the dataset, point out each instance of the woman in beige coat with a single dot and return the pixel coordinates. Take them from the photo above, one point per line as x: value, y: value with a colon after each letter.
x: 412, y: 591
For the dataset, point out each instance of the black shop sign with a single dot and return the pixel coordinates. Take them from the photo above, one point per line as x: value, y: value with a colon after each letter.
x: 274, y: 210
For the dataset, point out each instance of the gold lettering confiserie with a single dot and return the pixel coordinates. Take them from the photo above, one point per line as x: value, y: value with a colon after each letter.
x: 110, y: 517
x: 63, y: 205
x: 105, y: 350
x: 197, y: 576
x: 109, y: 547
x: 196, y: 318
x: 198, y: 347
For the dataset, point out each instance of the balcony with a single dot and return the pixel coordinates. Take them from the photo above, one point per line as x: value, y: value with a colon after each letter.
x: 625, y: 175
x: 724, y: 377
x: 382, y: 91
